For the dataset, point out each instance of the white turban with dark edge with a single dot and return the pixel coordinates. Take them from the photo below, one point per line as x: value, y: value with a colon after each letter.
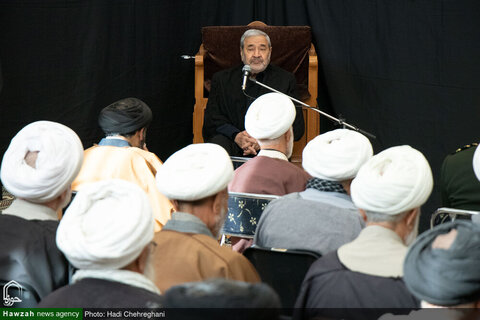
x: 445, y: 277
x: 106, y: 226
x: 195, y: 172
x: 60, y: 157
x: 394, y: 181
x: 336, y: 155
x: 269, y: 116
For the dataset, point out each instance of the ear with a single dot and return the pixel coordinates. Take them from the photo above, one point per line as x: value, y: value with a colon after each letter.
x: 142, y: 133
x: 141, y: 261
x: 410, y: 217
x: 175, y: 205
x: 363, y: 214
x: 288, y: 136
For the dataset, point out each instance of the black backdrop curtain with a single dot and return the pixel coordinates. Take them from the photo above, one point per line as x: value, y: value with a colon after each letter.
x: 407, y: 71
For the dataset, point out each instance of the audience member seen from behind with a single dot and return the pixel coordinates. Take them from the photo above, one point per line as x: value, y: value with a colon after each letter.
x: 37, y: 168
x: 195, y: 179
x: 441, y: 269
x: 122, y: 154
x: 459, y: 187
x: 215, y: 299
x: 269, y: 120
x: 367, y: 272
x: 323, y: 217
x: 107, y: 235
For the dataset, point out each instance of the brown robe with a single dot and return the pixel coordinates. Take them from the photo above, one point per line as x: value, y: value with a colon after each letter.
x: 265, y: 175
x: 186, y: 251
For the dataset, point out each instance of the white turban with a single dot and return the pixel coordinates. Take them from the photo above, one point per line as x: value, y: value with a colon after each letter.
x: 107, y: 225
x: 476, y: 163
x: 394, y: 181
x: 195, y: 172
x: 336, y: 155
x: 60, y: 157
x: 269, y: 116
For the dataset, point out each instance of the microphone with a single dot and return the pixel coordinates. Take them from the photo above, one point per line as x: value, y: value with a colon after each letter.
x: 246, y: 72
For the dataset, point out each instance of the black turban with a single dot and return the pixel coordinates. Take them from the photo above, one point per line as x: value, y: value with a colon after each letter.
x: 445, y: 277
x: 125, y: 116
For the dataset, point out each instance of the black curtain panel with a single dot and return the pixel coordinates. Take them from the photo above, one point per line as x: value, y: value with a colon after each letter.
x: 406, y: 71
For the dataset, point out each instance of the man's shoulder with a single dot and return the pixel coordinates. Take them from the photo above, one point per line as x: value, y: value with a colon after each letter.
x: 226, y: 73
x: 108, y: 294
x: 461, y: 155
x: 120, y: 153
x: 276, y: 69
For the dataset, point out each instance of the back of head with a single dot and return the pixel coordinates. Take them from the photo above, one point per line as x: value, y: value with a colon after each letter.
x: 269, y: 116
x: 195, y: 172
x: 125, y: 116
x: 442, y: 266
x: 336, y: 155
x: 42, y: 161
x: 223, y: 294
x: 106, y: 226
x: 394, y: 181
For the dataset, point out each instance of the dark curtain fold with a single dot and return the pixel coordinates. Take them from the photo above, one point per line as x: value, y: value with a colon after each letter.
x: 407, y: 71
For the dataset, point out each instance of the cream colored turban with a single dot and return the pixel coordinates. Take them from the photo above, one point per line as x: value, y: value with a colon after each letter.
x: 336, y: 155
x: 394, y: 181
x: 269, y: 116
x: 476, y: 163
x: 106, y: 226
x: 195, y: 172
x: 60, y: 157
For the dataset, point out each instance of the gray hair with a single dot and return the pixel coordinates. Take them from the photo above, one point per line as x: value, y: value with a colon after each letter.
x: 383, y: 217
x: 251, y: 33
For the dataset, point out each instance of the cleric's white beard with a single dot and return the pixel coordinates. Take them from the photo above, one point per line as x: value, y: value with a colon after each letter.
x: 410, y: 238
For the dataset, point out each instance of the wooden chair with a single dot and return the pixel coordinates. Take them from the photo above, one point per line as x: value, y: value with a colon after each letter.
x: 292, y: 50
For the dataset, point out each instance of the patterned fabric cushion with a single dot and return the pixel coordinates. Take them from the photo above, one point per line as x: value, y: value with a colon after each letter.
x: 244, y: 210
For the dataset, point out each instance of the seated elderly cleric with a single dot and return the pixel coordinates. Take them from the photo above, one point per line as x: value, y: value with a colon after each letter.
x: 107, y: 234
x: 37, y: 168
x: 195, y: 179
x: 122, y: 154
x: 228, y: 103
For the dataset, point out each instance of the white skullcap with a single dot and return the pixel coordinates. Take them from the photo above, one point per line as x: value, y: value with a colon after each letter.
x: 60, y: 157
x: 269, y: 116
x: 336, y: 155
x: 476, y: 163
x: 394, y: 181
x: 195, y: 172
x: 107, y: 225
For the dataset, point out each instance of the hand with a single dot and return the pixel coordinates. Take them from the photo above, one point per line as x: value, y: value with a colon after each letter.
x: 248, y: 144
x: 240, y: 244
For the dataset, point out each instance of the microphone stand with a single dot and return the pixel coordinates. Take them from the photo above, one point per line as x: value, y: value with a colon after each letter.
x: 339, y: 121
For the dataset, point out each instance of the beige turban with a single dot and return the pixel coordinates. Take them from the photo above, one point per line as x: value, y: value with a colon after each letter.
x: 336, y: 155
x: 106, y: 226
x: 195, y: 172
x: 394, y: 181
x: 269, y: 116
x: 60, y: 157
